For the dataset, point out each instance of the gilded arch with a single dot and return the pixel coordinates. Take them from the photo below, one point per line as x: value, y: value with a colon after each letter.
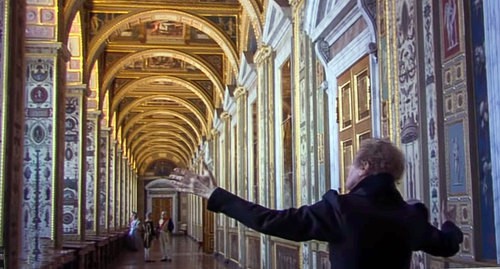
x: 165, y: 135
x: 164, y: 124
x: 160, y: 142
x: 181, y: 82
x: 99, y: 41
x: 153, y: 156
x: 178, y: 100
x: 195, y: 61
x: 163, y: 149
x: 140, y: 116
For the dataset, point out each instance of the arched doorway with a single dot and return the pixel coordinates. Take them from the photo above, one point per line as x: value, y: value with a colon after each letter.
x: 160, y: 196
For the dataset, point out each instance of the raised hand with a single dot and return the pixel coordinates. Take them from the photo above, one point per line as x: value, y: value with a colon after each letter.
x: 187, y: 181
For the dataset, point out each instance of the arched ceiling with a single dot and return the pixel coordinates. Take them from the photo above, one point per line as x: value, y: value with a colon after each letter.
x: 163, y: 66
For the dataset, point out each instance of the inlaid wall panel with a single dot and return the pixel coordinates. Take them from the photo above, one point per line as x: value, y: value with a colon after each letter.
x: 253, y: 251
x: 285, y: 257
x: 112, y: 186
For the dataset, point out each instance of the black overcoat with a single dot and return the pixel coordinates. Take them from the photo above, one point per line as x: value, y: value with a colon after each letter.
x: 370, y: 227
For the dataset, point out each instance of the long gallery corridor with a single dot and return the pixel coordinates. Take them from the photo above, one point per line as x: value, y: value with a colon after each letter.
x: 186, y: 254
x: 101, y: 100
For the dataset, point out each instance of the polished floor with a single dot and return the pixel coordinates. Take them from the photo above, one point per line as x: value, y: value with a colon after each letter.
x: 185, y: 255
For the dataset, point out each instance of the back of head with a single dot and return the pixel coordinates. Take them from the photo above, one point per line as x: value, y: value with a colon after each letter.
x: 382, y: 155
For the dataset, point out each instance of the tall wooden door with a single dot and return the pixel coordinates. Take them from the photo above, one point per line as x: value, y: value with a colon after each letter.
x: 159, y: 205
x: 354, y: 106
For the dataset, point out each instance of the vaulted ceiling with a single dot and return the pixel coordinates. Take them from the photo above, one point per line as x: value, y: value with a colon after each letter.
x: 163, y: 67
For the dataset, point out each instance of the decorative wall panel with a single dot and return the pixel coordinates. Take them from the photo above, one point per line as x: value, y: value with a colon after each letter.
x: 432, y: 111
x: 90, y: 172
x: 111, y: 186
x: 72, y: 165
x: 286, y: 257
x: 103, y: 177
x: 38, y: 157
x: 409, y: 94
x: 253, y: 252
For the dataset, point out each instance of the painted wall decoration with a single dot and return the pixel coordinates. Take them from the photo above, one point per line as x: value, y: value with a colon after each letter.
x: 227, y: 24
x: 456, y: 158
x: 112, y: 186
x: 90, y: 172
x: 72, y: 165
x: 432, y: 112
x: 38, y: 157
x: 103, y: 168
x: 451, y: 33
x: 488, y: 244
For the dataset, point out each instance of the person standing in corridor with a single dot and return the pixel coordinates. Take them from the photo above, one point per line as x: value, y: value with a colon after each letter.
x: 369, y: 227
x: 165, y: 228
x: 149, y: 235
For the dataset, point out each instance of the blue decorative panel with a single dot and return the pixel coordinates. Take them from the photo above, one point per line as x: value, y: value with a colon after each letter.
x: 111, y: 200
x: 488, y: 245
x: 456, y: 158
x: 72, y: 165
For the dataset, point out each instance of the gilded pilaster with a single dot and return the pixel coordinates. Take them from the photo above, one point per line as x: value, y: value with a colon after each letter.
x: 226, y: 173
x: 75, y: 164
x: 44, y: 149
x: 265, y: 98
x: 92, y: 172
x: 12, y: 104
x: 240, y: 94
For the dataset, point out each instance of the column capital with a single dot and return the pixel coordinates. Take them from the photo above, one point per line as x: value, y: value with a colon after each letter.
x: 93, y: 114
x: 240, y: 91
x: 225, y: 115
x: 262, y: 54
x: 214, y: 132
x: 294, y: 3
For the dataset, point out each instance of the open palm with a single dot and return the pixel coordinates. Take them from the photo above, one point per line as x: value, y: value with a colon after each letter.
x: 187, y: 181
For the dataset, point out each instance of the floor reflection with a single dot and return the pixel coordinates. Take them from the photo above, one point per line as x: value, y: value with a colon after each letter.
x: 185, y: 254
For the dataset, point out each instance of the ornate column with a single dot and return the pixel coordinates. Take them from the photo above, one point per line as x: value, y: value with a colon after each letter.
x: 74, y: 164
x: 265, y: 98
x: 12, y: 98
x: 240, y: 94
x: 92, y: 172
x: 103, y: 197
x: 44, y: 149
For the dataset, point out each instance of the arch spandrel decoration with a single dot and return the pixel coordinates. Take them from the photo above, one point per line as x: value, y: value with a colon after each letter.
x: 198, y: 62
x: 142, y: 168
x: 121, y: 23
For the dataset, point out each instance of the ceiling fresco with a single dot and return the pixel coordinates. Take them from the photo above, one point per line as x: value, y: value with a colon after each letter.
x: 164, y: 66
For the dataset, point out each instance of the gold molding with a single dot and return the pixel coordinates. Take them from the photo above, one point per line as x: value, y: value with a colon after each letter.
x: 157, y: 145
x: 166, y: 136
x: 164, y: 124
x: 196, y: 61
x: 187, y: 104
x: 181, y: 116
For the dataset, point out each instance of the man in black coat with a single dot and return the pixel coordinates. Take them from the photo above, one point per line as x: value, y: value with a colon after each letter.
x: 370, y: 227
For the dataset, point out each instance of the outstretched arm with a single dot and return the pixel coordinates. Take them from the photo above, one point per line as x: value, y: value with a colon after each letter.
x: 318, y: 221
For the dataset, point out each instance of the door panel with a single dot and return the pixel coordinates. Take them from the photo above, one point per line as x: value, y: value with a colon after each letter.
x: 159, y: 205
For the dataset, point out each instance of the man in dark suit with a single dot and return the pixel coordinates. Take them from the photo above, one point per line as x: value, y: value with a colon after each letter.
x: 369, y: 227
